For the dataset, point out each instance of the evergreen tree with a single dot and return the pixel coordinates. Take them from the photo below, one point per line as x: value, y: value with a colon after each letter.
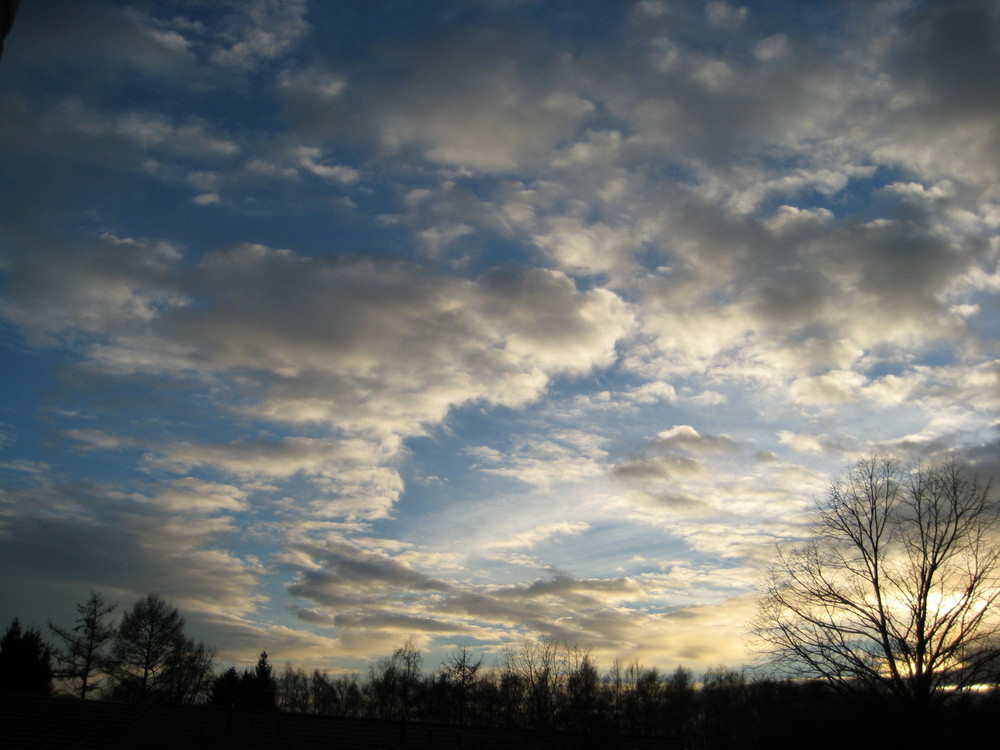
x: 256, y: 689
x: 226, y: 690
x: 25, y: 661
x: 264, y: 684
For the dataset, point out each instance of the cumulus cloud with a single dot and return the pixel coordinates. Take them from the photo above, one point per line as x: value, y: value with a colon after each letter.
x: 414, y: 342
x: 467, y: 107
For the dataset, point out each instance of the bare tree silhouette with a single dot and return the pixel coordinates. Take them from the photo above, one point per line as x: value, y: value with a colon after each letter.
x: 79, y: 658
x: 896, y: 592
x: 152, y: 660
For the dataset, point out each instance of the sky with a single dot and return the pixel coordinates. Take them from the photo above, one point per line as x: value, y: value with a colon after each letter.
x: 465, y: 321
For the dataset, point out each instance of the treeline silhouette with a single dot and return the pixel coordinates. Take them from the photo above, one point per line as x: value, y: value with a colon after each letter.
x: 559, y: 688
x: 146, y: 658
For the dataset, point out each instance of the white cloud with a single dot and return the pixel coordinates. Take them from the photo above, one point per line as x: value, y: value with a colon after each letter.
x: 540, y: 534
x: 833, y: 387
x: 309, y: 157
x: 193, y: 495
x: 596, y: 248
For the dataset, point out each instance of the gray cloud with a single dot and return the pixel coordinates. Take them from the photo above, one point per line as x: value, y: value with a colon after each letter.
x: 946, y: 56
x: 345, y: 573
x: 685, y: 438
x: 672, y: 457
x: 94, y: 538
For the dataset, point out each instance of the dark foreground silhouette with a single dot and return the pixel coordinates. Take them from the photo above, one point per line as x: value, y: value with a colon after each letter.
x: 32, y: 721
x: 28, y: 722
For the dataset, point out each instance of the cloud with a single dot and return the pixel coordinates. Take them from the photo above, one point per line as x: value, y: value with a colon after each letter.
x: 833, y: 387
x: 349, y: 328
x: 94, y: 439
x: 259, y: 31
x: 308, y: 159
x: 725, y: 15
x: 771, y: 48
x: 112, y: 285
x: 437, y: 238
x: 567, y: 456
x: 345, y: 574
x: 465, y: 107
x: 482, y: 95
x: 153, y: 132
x: 944, y: 56
x: 356, y: 591
x: 671, y: 458
x: 686, y: 438
x: 196, y: 496
x: 291, y: 456
x: 96, y: 538
x: 659, y: 467
x: 108, y: 43
x: 348, y: 477
x: 540, y: 534
x: 581, y: 248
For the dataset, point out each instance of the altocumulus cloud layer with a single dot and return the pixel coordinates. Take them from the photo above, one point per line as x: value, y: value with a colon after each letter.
x: 342, y: 323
